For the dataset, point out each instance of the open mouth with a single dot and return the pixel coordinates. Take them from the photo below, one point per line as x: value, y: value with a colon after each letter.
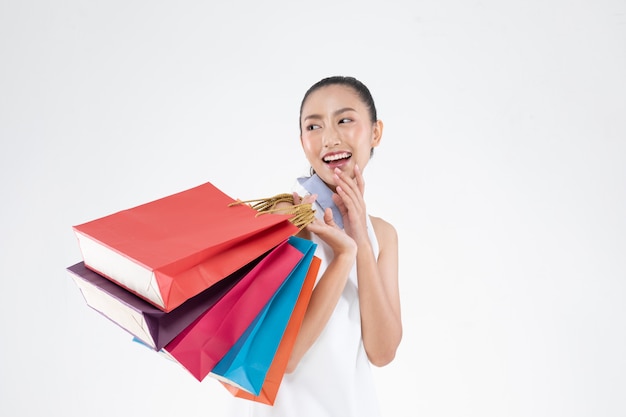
x: 336, y: 157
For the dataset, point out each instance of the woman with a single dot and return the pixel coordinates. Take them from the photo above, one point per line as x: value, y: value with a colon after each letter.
x: 353, y: 318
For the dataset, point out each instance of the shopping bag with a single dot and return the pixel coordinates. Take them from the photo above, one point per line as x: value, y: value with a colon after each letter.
x: 276, y: 372
x: 246, y: 364
x: 200, y: 346
x: 154, y: 327
x: 171, y: 249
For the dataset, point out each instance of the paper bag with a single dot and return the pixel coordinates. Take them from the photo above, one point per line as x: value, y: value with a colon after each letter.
x: 247, y: 362
x: 276, y: 372
x: 171, y: 249
x: 204, y: 343
x: 154, y: 327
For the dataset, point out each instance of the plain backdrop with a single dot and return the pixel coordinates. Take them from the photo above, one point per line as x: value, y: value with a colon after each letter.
x: 502, y: 167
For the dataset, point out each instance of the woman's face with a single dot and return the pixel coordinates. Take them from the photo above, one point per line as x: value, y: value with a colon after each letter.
x: 337, y: 131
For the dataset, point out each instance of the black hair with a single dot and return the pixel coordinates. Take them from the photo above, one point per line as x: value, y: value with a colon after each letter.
x: 362, y: 91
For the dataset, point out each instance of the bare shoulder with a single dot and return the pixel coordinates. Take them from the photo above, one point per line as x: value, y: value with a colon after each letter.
x: 385, y: 232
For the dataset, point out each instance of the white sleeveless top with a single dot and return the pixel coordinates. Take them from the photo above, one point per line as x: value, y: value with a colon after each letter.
x: 333, y: 378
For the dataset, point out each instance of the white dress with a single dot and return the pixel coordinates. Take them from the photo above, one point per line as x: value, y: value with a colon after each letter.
x: 333, y: 378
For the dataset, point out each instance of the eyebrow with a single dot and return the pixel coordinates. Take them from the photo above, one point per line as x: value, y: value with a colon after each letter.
x: 335, y: 113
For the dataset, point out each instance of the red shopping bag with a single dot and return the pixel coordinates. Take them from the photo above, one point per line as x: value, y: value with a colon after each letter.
x: 171, y: 249
x: 275, y: 374
x: 202, y: 345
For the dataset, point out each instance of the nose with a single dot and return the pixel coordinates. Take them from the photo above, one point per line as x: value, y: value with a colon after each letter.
x: 331, y: 137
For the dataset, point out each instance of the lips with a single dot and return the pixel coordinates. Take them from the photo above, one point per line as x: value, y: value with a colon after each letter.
x: 336, y: 157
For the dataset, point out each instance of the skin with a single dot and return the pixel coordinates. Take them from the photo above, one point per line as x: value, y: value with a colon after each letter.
x: 336, y: 122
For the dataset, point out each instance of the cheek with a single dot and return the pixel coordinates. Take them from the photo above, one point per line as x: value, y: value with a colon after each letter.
x: 308, y: 146
x: 356, y: 134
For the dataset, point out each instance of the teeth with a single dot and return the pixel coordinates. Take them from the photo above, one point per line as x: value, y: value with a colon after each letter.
x: 336, y: 157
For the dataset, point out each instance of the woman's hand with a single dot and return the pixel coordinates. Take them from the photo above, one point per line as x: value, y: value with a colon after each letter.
x: 351, y: 204
x: 326, y: 229
x: 340, y: 242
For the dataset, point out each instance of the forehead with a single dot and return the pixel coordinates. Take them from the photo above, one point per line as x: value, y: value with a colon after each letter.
x: 331, y: 97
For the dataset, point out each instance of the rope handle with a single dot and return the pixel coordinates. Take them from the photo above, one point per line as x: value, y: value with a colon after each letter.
x: 303, y: 213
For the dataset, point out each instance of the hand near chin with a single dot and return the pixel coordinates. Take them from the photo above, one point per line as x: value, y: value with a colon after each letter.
x: 350, y: 202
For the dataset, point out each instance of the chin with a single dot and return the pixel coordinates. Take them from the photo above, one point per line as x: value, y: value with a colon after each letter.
x: 327, y: 177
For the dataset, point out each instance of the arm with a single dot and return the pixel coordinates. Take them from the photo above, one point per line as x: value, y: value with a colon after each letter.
x: 379, y: 297
x: 329, y: 287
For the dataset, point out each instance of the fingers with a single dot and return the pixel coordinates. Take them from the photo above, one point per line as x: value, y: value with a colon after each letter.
x: 350, y: 190
x: 328, y: 218
x: 318, y: 225
x: 307, y: 199
x: 354, y: 187
x: 349, y: 199
x: 328, y: 231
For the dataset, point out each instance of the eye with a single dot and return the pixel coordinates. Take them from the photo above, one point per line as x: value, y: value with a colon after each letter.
x: 312, y: 127
x: 345, y: 120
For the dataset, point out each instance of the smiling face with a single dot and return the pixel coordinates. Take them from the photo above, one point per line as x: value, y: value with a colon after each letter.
x: 337, y: 131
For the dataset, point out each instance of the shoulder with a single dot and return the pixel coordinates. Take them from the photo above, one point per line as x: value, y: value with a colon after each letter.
x: 385, y: 232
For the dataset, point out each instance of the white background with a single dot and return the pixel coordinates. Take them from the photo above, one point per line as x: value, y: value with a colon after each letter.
x: 502, y: 166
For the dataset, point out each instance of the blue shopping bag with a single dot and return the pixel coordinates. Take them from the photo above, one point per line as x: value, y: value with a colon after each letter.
x: 246, y: 364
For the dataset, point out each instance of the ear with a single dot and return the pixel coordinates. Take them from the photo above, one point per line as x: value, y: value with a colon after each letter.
x: 377, y: 133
